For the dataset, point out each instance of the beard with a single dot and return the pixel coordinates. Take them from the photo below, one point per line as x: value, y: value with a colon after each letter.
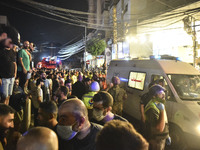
x: 4, y: 132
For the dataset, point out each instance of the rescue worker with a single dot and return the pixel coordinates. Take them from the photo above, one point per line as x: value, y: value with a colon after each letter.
x: 118, y: 94
x: 156, y: 119
x: 88, y: 98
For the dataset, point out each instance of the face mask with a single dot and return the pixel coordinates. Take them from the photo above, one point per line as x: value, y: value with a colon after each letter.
x: 98, y: 115
x: 66, y: 132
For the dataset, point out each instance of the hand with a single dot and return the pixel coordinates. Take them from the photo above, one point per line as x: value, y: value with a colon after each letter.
x: 24, y: 71
x: 0, y: 82
x: 160, y: 106
x: 168, y: 141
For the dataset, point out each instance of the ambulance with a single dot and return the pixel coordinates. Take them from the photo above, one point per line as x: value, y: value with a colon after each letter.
x: 182, y: 82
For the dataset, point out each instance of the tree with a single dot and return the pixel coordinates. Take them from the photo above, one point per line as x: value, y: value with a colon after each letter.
x: 96, y: 46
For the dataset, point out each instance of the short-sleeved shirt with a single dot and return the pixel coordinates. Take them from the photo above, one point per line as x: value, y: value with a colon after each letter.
x: 37, y: 92
x: 116, y: 117
x: 7, y: 59
x: 25, y: 59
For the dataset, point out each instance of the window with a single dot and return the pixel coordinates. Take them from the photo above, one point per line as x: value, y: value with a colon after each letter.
x: 136, y: 80
x: 158, y: 79
x: 187, y: 86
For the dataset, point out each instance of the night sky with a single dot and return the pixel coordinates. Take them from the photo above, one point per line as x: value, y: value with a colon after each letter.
x: 41, y: 30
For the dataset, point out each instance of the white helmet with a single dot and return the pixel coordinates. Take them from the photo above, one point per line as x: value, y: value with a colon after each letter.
x: 94, y: 86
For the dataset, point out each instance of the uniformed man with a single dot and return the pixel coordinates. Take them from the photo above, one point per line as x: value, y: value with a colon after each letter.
x: 88, y: 98
x: 156, y: 119
x: 118, y: 94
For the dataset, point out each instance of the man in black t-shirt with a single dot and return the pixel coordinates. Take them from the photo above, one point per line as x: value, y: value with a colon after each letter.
x: 8, y: 69
x: 102, y: 107
x: 74, y: 130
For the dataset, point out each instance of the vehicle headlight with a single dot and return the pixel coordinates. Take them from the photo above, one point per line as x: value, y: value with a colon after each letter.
x: 198, y: 128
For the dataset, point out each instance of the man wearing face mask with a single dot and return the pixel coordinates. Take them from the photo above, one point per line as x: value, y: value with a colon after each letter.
x: 156, y: 119
x: 74, y: 129
x: 88, y: 97
x: 102, y: 108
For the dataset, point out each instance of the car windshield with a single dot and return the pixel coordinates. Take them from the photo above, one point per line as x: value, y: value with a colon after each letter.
x: 187, y: 86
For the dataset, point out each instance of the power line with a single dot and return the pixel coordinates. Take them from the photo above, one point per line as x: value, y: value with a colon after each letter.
x: 42, y: 16
x: 80, y: 21
x: 49, y: 18
x: 56, y: 8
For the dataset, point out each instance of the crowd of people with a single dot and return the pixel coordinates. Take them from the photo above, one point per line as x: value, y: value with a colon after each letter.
x: 69, y: 109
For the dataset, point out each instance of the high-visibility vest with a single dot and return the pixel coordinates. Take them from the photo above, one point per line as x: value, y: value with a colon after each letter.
x: 88, y: 99
x: 153, y: 131
x: 151, y: 105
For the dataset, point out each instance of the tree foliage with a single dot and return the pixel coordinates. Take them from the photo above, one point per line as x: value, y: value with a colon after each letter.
x: 96, y: 46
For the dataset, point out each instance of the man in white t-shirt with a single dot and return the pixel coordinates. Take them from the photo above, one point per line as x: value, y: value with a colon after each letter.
x: 37, y: 98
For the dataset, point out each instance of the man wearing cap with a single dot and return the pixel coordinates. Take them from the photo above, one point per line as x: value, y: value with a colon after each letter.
x: 118, y: 94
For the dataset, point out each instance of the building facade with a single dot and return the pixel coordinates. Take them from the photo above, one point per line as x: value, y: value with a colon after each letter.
x: 153, y: 27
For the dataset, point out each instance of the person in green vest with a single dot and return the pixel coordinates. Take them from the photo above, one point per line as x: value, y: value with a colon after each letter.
x: 156, y: 121
x: 88, y: 97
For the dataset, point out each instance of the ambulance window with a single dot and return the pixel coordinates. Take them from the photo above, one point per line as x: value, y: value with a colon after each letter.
x: 158, y: 79
x: 136, y: 80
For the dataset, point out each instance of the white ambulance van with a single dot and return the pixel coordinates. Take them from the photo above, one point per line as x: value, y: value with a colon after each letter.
x: 183, y: 99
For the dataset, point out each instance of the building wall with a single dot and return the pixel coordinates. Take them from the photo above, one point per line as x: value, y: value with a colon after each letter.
x: 137, y: 12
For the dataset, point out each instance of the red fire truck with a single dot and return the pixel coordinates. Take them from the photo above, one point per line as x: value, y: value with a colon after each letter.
x: 49, y: 63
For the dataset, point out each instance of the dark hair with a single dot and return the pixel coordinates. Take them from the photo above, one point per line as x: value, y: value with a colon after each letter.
x: 68, y: 81
x: 105, y: 97
x: 38, y: 81
x: 115, y: 80
x: 1, y: 32
x: 65, y: 90
x: 71, y: 96
x: 5, y: 110
x: 49, y: 107
x: 120, y: 135
x: 87, y: 79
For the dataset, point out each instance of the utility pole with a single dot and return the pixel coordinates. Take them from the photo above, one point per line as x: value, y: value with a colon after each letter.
x: 115, y: 29
x: 85, y: 48
x: 122, y: 25
x: 189, y: 27
x: 194, y: 43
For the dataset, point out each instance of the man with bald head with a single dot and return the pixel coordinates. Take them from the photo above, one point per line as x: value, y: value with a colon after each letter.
x: 74, y: 130
x: 38, y: 138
